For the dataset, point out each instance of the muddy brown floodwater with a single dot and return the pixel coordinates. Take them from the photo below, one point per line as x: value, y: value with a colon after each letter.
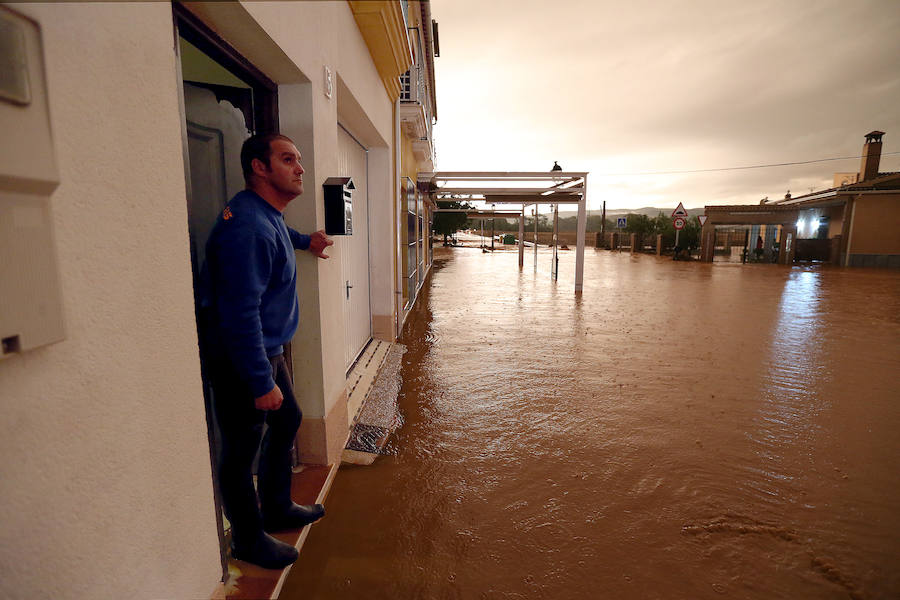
x: 682, y: 430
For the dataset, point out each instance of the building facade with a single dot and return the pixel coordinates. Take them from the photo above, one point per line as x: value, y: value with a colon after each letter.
x: 127, y: 122
x: 855, y: 224
x: 418, y: 112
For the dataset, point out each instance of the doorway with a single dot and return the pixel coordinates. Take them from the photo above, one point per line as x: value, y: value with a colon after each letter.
x: 225, y: 100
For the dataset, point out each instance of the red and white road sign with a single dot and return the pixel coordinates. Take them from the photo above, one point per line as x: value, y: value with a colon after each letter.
x: 702, y: 219
x: 680, y: 212
x: 678, y: 222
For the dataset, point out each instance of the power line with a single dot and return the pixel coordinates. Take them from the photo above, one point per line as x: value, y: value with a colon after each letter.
x: 785, y: 164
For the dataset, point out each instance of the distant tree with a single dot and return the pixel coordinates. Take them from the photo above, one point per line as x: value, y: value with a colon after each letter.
x: 594, y: 223
x: 566, y: 223
x: 663, y: 224
x: 544, y: 223
x: 640, y: 224
x: 448, y: 223
x: 688, y: 238
x: 690, y: 235
x: 506, y: 225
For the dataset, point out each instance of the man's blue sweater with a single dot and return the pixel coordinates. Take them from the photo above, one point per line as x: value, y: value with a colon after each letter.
x: 251, y: 280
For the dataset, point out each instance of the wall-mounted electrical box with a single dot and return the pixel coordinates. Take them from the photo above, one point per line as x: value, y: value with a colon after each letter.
x: 339, y: 205
x: 30, y: 300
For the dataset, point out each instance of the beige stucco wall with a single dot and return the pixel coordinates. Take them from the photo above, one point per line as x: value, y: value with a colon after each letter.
x: 106, y: 485
x: 408, y: 165
x: 876, y: 224
x: 382, y: 211
x: 836, y: 224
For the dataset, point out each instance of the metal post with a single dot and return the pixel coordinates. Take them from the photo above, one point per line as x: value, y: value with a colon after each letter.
x: 492, y: 234
x: 522, y: 238
x: 482, y: 234
x: 579, y: 247
x: 534, y: 213
x: 846, y: 262
x: 554, y: 268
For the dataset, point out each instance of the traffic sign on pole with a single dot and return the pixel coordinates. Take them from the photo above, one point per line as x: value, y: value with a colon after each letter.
x: 679, y: 211
x: 702, y: 219
x: 621, y: 222
x: 678, y: 222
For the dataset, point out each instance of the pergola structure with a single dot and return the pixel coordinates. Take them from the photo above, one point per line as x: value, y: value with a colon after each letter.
x: 516, y: 188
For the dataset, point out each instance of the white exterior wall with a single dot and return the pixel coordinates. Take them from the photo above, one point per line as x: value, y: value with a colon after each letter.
x: 106, y: 485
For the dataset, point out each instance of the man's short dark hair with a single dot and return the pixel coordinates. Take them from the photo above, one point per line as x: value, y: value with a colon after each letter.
x: 258, y: 146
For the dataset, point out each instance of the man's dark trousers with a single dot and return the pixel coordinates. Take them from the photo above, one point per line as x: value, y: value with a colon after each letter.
x: 241, y: 425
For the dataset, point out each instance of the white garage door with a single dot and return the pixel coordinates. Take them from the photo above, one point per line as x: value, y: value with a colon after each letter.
x: 354, y: 249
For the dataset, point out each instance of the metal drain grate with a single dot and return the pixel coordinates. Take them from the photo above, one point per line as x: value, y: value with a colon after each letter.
x: 367, y: 438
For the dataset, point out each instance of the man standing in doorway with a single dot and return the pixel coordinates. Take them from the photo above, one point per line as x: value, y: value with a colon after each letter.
x: 252, y: 309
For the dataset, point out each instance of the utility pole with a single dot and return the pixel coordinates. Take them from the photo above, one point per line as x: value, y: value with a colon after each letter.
x: 603, y: 221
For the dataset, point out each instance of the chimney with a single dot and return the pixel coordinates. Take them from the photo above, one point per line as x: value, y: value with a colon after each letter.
x: 871, y: 156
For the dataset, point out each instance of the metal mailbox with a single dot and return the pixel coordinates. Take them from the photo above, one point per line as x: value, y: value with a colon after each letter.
x: 339, y: 205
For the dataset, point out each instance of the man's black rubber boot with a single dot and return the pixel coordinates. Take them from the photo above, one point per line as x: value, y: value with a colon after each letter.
x: 266, y: 551
x: 295, y: 517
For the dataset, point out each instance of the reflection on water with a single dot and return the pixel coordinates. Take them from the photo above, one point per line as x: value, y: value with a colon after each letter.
x: 680, y: 431
x: 790, y: 384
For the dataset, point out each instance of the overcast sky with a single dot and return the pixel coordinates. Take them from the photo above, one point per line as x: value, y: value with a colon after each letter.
x: 635, y: 86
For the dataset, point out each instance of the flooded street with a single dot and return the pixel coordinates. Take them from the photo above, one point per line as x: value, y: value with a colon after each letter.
x: 681, y: 430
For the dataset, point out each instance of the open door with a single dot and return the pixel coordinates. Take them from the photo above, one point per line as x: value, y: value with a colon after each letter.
x: 225, y: 100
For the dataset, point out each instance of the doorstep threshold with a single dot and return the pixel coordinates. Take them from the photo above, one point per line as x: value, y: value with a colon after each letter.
x: 309, y: 485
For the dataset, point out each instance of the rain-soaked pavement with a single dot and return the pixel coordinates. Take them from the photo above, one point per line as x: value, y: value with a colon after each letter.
x: 682, y: 430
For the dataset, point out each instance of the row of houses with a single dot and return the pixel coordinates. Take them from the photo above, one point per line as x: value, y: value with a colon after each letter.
x: 122, y: 125
x: 855, y: 223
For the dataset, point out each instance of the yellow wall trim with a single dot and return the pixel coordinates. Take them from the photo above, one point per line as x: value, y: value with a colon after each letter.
x: 382, y: 26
